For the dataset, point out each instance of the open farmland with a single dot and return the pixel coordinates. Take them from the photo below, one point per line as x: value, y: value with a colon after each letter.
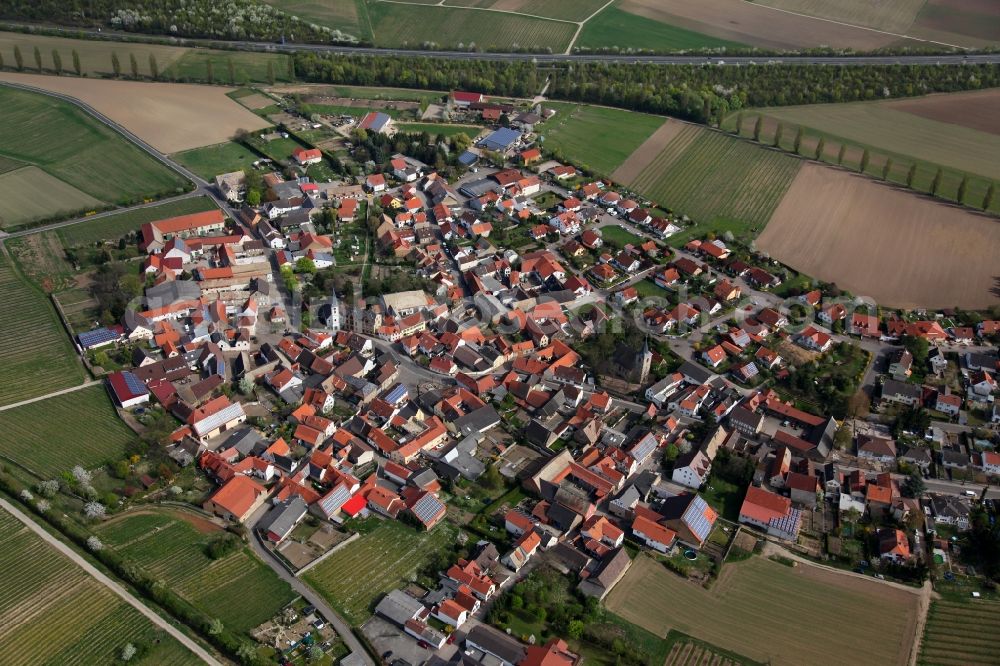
x: 961, y: 634
x: 616, y: 28
x: 246, y: 67
x: 749, y: 23
x: 355, y: 577
x: 751, y: 600
x: 873, y: 240
x: 434, y: 129
x: 896, y: 16
x: 210, y: 161
x: 95, y: 55
x: 30, y: 194
x: 36, y: 357
x: 238, y: 589
x: 52, y: 612
x: 712, y: 177
x: 171, y: 117
x: 400, y: 25
x: 595, y: 137
x: 69, y: 145
x: 960, y: 22
x: 567, y: 10
x: 53, y: 435
x: 344, y: 15
x: 116, y: 225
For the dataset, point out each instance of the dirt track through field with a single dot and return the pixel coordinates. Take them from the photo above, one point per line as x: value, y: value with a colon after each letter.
x: 644, y: 155
x: 170, y: 116
x: 874, y: 240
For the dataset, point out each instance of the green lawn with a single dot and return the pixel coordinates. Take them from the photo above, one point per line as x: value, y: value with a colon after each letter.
x: 435, y: 129
x: 724, y: 497
x: 117, y: 225
x: 356, y: 111
x: 595, y: 137
x: 238, y: 589
x: 619, y: 236
x: 614, y: 28
x: 36, y: 356
x: 51, y: 436
x: 355, y: 577
x: 45, y: 595
x: 393, y: 94
x: 67, y: 143
x: 210, y: 161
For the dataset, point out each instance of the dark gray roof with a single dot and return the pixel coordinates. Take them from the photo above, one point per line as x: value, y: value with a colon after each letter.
x: 694, y: 373
x: 478, y: 421
x: 283, y: 517
x: 165, y: 293
x: 497, y: 643
x: 891, y: 387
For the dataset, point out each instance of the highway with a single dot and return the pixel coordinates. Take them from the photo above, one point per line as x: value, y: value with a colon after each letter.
x: 740, y: 60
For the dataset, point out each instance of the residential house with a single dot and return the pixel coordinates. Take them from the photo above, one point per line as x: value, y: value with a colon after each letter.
x: 771, y: 513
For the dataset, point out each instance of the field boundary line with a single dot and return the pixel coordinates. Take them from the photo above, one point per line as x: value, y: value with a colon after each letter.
x: 581, y: 24
x: 120, y: 591
x: 853, y: 25
x: 86, y: 384
x: 481, y: 9
x: 353, y: 537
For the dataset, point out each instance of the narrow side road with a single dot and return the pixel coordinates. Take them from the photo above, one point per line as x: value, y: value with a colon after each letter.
x: 110, y: 584
x: 93, y: 382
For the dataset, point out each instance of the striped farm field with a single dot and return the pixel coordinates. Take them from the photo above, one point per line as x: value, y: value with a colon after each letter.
x: 355, y: 577
x: 961, y: 633
x: 710, y: 176
x: 238, y: 589
x: 113, y: 227
x: 36, y: 356
x: 53, y: 612
x: 401, y: 25
x: 53, y: 435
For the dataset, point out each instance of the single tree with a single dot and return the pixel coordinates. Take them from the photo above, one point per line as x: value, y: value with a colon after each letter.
x: 777, y: 135
x: 133, y: 65
x: 757, y: 128
x: 18, y: 58
x: 962, y: 187
x: 739, y: 123
x: 209, y: 73
x: 797, y: 144
x: 988, y: 198
x: 56, y: 62
x: 820, y: 147
x: 232, y: 71
x: 270, y: 72
x: 911, y: 175
x: 865, y: 157
x: 38, y: 59
x: 887, y: 168
x: 936, y: 183
x: 291, y: 68
x: 841, y: 153
x: 116, y: 65
x: 914, y: 485
x: 154, y: 68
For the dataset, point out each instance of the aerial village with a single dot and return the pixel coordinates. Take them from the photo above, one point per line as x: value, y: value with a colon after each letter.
x: 616, y: 394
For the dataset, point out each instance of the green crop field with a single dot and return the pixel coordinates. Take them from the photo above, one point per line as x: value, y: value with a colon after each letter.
x: 567, y: 10
x: 210, y: 161
x: 355, y: 577
x: 54, y: 435
x: 713, y: 177
x: 356, y: 111
x: 730, y: 614
x: 398, y: 25
x: 961, y: 632
x: 393, y: 94
x: 29, y: 194
x: 595, y: 137
x: 435, y: 129
x: 247, y: 67
x: 95, y: 55
x: 68, y: 144
x: 55, y: 613
x: 615, y: 28
x: 345, y: 15
x: 36, y: 357
x: 238, y: 589
x: 116, y: 225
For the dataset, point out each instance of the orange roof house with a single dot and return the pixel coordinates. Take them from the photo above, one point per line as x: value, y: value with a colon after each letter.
x: 237, y: 499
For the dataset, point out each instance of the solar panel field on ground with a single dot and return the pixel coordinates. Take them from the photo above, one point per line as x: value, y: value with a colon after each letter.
x: 53, y: 435
x: 36, y: 356
x: 355, y: 577
x: 53, y: 612
x: 238, y: 589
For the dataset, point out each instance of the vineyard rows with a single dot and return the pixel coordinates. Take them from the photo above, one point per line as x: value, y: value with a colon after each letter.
x: 53, y: 435
x: 708, y: 175
x: 962, y: 634
x: 35, y: 355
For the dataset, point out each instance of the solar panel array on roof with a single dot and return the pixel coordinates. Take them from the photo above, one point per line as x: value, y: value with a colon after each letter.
x: 696, y: 520
x: 789, y: 523
x: 210, y: 423
x: 644, y: 447
x: 397, y: 394
x: 134, y: 384
x: 98, y: 336
x: 335, y: 499
x: 427, y: 508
